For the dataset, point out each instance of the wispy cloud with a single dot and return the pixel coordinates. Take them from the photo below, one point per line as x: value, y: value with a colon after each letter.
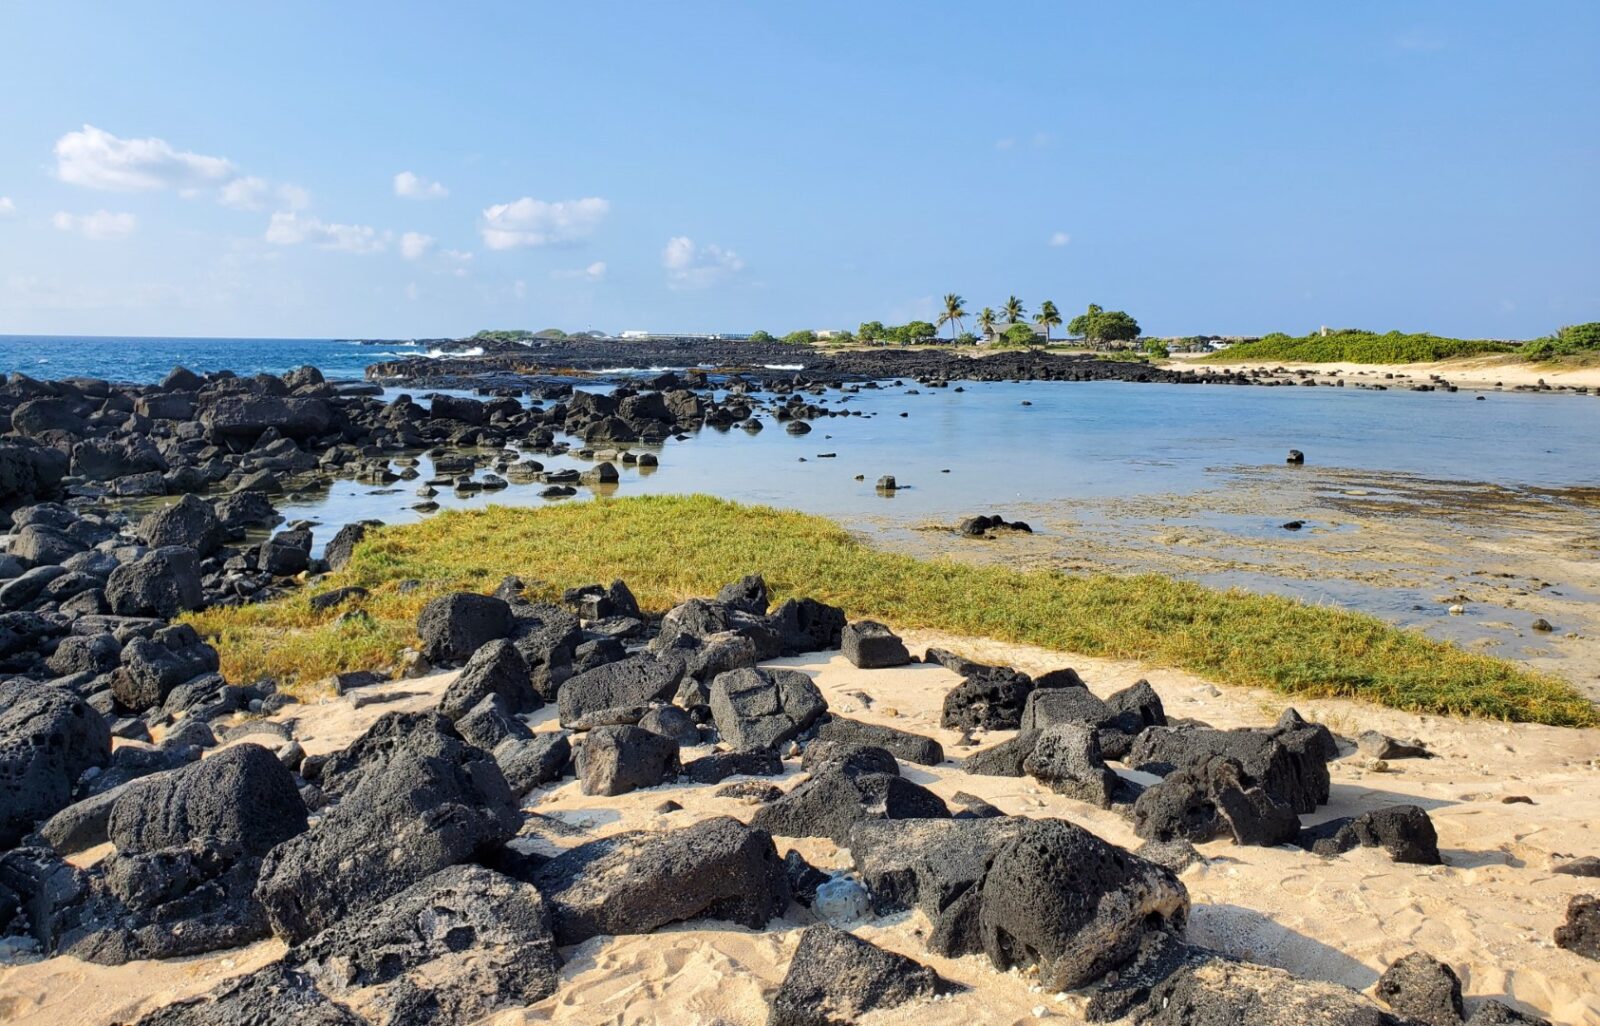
x: 692, y: 266
x: 531, y: 222
x: 99, y: 226
x: 408, y: 185
x: 252, y: 193
x: 289, y: 229
x: 594, y: 272
x: 7, y: 208
x: 415, y: 245
x: 1060, y: 239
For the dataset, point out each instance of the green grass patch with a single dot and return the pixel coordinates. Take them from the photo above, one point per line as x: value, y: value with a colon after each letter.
x: 1357, y: 347
x: 669, y: 548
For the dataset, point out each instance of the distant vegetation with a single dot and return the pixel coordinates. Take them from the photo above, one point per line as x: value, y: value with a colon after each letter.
x: 1573, y: 340
x: 1100, y: 325
x: 669, y: 547
x: 1350, y: 346
x: 517, y: 335
x: 913, y: 333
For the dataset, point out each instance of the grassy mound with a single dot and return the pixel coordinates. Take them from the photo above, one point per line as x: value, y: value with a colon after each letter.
x: 669, y: 548
x: 1356, y: 347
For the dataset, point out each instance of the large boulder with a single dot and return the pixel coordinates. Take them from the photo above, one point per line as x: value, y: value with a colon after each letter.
x: 1209, y: 798
x: 43, y: 545
x: 835, y: 978
x: 1404, y: 831
x: 152, y: 668
x: 806, y: 625
x: 190, y: 521
x: 1580, y: 934
x: 1290, y: 766
x: 990, y: 698
x: 902, y: 744
x: 614, y: 760
x: 286, y: 553
x: 700, y: 619
x: 1197, y: 987
x: 242, y: 419
x: 451, y: 948
x: 835, y: 799
x: 48, y: 737
x: 29, y: 471
x: 162, y: 583
x: 343, y: 546
x: 1058, y: 898
x: 1066, y: 758
x: 628, y: 684
x: 764, y: 708
x: 532, y: 762
x: 242, y: 796
x: 37, y: 417
x: 1423, y: 988
x: 638, y: 882
x: 870, y: 645
x: 453, y: 627
x: 495, y: 669
x: 927, y: 863
x: 421, y: 810
x: 276, y: 995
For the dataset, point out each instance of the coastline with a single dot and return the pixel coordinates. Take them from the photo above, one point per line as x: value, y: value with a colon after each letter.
x: 1479, y: 373
x: 108, y: 580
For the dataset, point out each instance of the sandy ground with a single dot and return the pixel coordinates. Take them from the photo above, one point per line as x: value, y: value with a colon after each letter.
x: 1490, y: 912
x: 1484, y: 372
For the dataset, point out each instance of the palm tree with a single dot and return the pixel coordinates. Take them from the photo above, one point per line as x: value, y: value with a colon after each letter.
x: 1047, y: 316
x: 953, y: 312
x: 1014, y: 310
x: 986, y: 319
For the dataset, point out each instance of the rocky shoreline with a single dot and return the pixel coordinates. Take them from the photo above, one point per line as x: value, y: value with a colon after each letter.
x: 225, y: 831
x: 215, y: 829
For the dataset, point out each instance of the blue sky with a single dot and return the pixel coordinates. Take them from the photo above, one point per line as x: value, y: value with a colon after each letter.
x: 230, y: 169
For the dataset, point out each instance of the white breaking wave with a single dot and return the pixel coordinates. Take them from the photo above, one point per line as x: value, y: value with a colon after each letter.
x: 434, y: 354
x: 635, y: 370
x: 783, y: 366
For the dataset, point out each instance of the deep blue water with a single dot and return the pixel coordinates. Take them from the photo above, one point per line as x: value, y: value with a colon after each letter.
x: 145, y: 360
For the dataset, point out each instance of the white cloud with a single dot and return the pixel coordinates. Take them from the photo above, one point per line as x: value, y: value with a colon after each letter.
x: 1060, y: 239
x: 7, y: 208
x: 99, y: 226
x: 294, y: 197
x: 461, y: 259
x: 414, y: 245
x: 252, y: 193
x: 520, y: 289
x: 96, y: 159
x: 531, y: 222
x: 413, y: 186
x: 1005, y: 144
x: 690, y: 266
x: 594, y: 272
x: 289, y: 229
x: 412, y: 292
x: 248, y: 193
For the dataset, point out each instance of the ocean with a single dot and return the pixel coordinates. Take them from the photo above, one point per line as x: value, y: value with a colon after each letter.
x: 146, y: 360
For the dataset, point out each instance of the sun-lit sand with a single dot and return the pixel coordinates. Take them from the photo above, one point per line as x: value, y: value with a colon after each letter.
x: 1475, y: 372
x: 1490, y: 912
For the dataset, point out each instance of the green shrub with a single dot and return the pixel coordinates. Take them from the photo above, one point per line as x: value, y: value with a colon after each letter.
x: 1352, y: 346
x: 1569, y: 341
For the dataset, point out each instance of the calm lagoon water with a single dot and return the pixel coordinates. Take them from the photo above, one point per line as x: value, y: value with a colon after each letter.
x: 1093, y: 440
